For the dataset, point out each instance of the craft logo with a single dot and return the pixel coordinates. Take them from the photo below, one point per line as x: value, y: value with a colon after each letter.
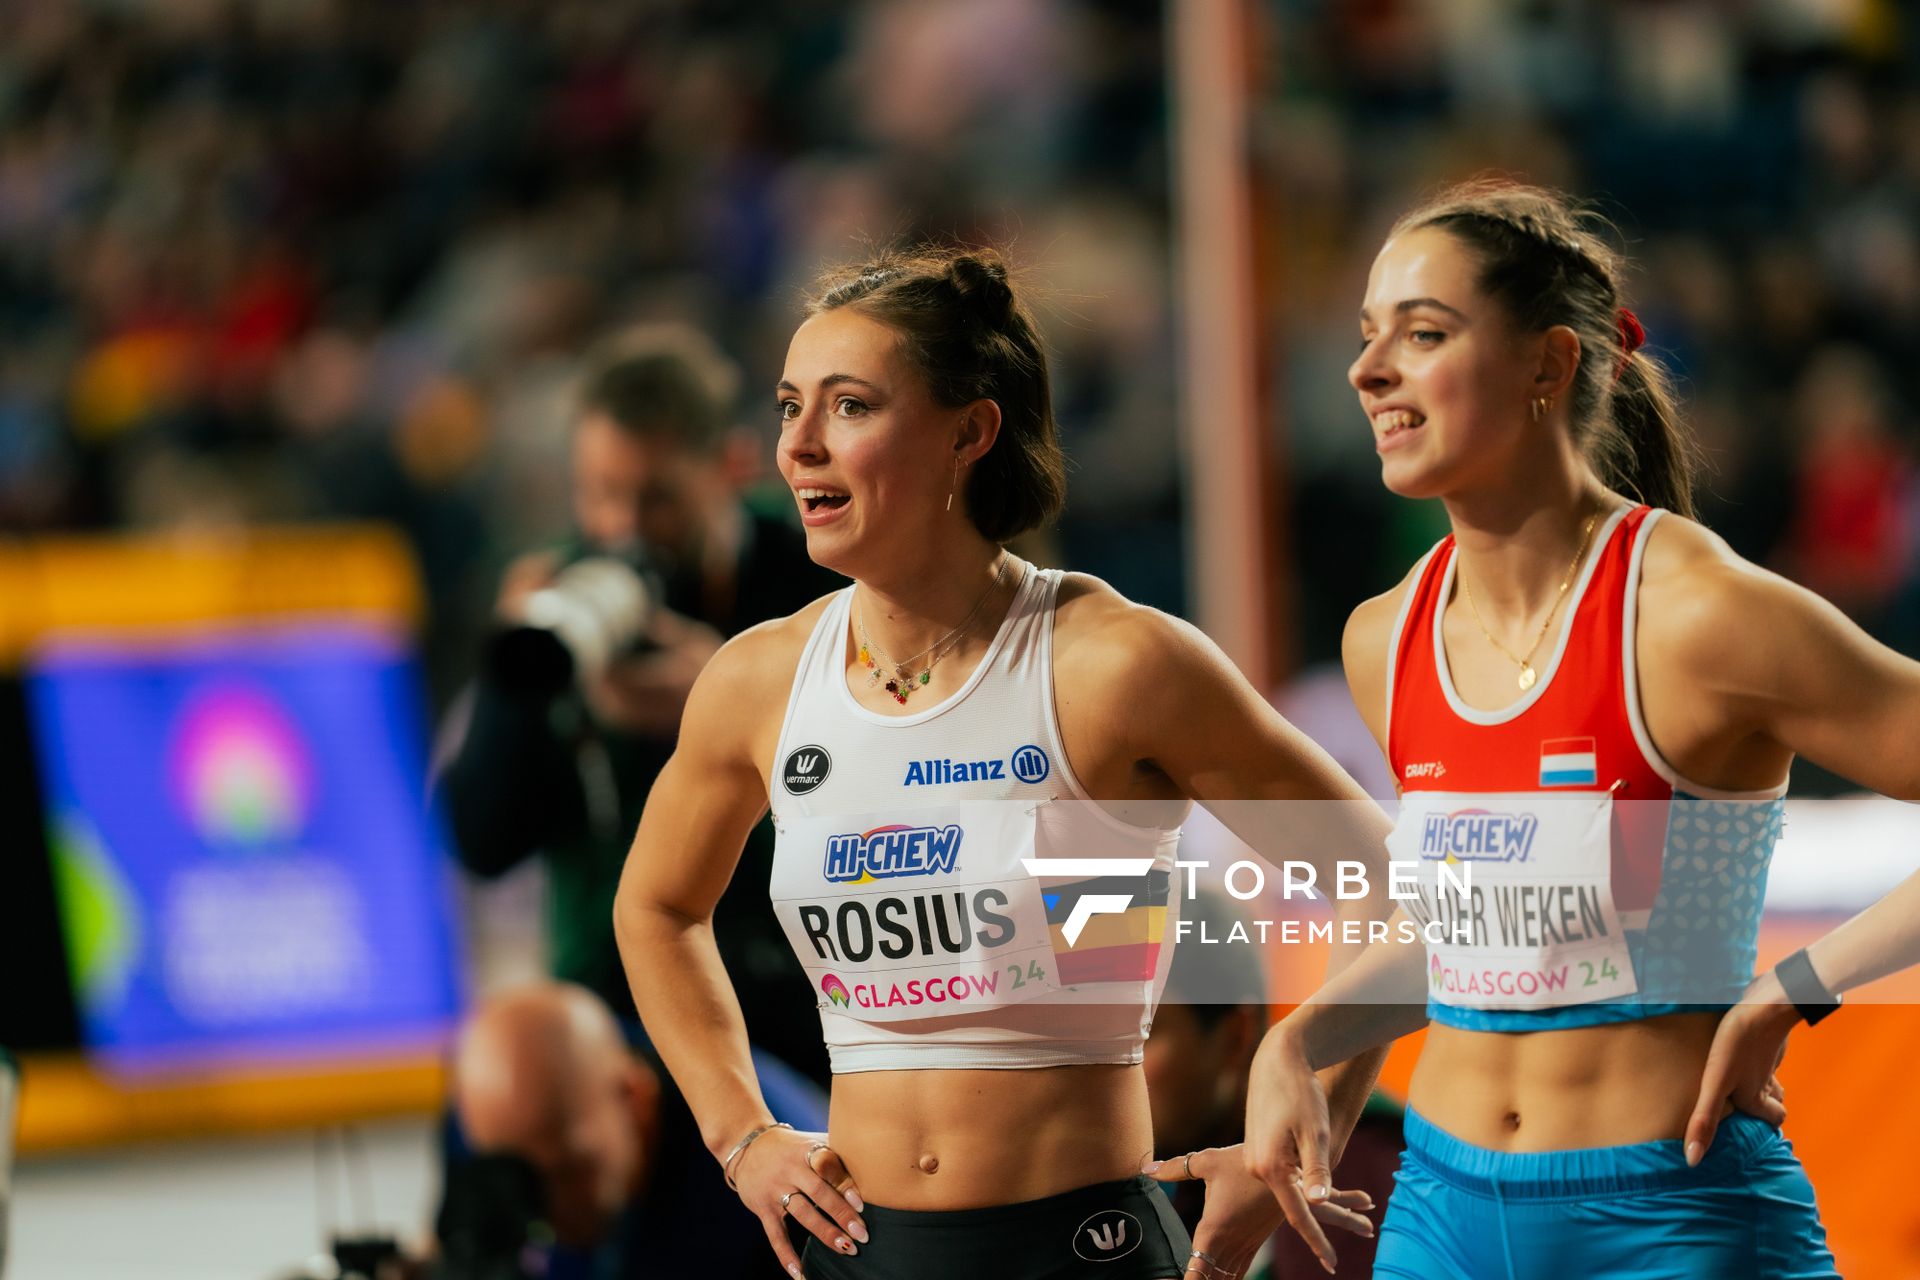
x: 1030, y: 764
x: 835, y: 991
x: 806, y: 769
x: 1477, y: 835
x: 1088, y: 905
x: 240, y: 769
x: 885, y: 852
x: 1107, y: 1235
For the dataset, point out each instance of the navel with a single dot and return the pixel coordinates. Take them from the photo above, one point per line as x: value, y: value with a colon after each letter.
x: 928, y: 1163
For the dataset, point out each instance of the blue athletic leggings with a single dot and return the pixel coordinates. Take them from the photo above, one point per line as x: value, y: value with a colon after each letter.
x: 1461, y: 1212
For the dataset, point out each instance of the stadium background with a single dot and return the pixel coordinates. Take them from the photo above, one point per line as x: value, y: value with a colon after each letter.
x: 309, y: 262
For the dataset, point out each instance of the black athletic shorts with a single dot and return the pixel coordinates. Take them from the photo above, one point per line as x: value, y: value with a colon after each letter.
x: 1114, y: 1230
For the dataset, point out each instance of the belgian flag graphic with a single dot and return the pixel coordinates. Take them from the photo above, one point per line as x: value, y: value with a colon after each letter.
x: 1119, y: 946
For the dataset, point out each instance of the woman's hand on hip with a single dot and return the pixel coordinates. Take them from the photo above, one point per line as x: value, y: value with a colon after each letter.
x: 1747, y: 1048
x: 787, y: 1174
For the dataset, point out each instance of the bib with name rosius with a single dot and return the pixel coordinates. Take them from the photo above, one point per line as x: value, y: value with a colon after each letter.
x: 919, y: 913
x: 1537, y: 928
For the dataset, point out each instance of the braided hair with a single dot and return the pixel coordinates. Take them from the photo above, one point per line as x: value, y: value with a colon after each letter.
x: 969, y: 334
x: 1541, y: 257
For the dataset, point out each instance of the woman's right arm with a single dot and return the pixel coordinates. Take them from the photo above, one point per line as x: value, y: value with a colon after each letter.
x: 1374, y: 1001
x: 697, y: 818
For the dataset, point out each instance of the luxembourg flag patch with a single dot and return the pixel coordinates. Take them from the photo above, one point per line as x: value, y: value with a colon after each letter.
x: 1569, y: 762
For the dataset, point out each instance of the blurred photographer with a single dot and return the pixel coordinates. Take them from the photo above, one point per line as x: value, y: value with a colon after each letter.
x: 580, y: 687
x: 572, y: 1156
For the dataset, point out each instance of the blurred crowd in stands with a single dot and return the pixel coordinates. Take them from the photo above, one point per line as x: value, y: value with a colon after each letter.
x: 340, y: 258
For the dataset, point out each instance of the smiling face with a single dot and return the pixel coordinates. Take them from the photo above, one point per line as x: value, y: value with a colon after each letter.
x: 864, y: 447
x: 1443, y: 378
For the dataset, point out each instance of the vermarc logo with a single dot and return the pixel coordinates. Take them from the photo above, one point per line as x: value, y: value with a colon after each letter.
x: 1107, y: 1236
x: 806, y: 769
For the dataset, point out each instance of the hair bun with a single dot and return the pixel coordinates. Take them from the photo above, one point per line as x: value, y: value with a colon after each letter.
x: 981, y: 281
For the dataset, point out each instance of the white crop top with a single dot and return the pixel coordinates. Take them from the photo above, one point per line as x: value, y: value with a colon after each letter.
x: 911, y: 871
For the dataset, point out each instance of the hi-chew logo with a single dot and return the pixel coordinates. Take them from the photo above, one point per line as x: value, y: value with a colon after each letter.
x: 885, y: 852
x: 1087, y: 905
x: 1478, y: 835
x: 806, y: 769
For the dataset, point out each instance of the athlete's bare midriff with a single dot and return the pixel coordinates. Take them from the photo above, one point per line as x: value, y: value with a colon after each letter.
x: 935, y: 1140
x: 1602, y: 1086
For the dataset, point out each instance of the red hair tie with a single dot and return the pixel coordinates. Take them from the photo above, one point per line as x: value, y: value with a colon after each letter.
x: 1632, y: 338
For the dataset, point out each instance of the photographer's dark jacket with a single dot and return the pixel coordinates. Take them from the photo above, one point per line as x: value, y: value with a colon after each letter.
x: 536, y: 773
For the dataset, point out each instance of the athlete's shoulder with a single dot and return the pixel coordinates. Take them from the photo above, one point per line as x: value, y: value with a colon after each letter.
x: 769, y: 646
x: 764, y: 658
x: 1370, y: 627
x: 1712, y: 612
x: 1097, y: 625
x: 1693, y: 586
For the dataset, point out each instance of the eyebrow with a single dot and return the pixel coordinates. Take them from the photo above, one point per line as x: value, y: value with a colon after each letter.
x: 1414, y: 304
x: 831, y: 380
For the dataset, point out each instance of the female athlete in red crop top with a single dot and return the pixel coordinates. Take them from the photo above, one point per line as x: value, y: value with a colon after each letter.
x: 1564, y: 659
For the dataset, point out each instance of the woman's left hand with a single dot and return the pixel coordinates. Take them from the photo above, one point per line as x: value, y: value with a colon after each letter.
x: 1747, y: 1048
x: 1241, y: 1213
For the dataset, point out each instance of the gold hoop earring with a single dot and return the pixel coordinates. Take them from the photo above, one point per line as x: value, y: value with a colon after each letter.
x: 1542, y: 406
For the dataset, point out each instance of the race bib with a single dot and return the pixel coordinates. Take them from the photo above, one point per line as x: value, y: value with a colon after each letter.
x: 1538, y: 928
x: 920, y: 915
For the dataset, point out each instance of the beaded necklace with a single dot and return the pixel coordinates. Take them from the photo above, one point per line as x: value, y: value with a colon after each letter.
x: 903, y: 682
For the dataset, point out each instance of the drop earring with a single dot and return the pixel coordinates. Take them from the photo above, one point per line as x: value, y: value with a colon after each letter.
x: 1542, y: 406
x: 956, y: 482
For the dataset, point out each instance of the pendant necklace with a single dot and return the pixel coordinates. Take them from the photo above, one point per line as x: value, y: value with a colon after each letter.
x: 1528, y: 675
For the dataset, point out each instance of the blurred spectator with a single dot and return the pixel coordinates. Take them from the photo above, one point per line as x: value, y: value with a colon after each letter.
x: 544, y: 1078
x: 577, y: 702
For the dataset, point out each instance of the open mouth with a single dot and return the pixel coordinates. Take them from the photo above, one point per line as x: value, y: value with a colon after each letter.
x: 1397, y: 422
x: 815, y: 501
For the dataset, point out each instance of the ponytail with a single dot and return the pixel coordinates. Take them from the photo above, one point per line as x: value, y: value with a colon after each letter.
x: 1641, y: 448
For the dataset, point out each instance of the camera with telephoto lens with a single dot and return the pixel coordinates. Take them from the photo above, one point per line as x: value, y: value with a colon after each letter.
x: 596, y: 609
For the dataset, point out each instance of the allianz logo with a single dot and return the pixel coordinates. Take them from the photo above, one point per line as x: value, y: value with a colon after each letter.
x: 1028, y: 764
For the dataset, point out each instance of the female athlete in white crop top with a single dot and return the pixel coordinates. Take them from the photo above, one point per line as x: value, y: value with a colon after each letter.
x: 917, y: 437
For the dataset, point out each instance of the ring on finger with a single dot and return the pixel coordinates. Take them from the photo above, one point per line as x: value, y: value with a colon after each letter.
x: 812, y: 1151
x: 1187, y: 1163
x: 790, y: 1195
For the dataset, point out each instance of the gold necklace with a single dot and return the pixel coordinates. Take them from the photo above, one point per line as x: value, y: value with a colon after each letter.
x: 1528, y: 675
x: 903, y: 682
